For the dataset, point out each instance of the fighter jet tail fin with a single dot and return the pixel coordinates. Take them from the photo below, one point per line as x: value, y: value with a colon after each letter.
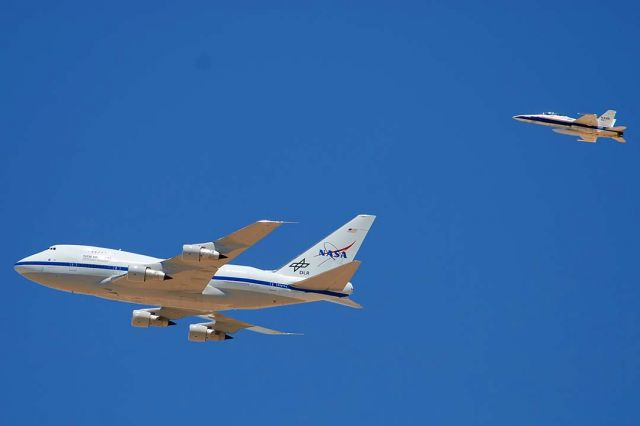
x: 608, y: 119
x: 619, y: 139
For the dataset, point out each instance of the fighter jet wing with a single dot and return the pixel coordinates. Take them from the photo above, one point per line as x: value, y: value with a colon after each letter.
x: 587, y: 120
x: 588, y: 138
x: 217, y: 322
x: 190, y: 272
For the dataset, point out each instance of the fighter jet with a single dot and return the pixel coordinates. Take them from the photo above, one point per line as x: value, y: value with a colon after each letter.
x: 200, y: 281
x: 589, y: 127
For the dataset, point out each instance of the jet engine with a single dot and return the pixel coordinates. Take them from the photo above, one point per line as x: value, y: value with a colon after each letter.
x: 143, y: 273
x: 203, y: 333
x: 146, y: 319
x: 200, y: 252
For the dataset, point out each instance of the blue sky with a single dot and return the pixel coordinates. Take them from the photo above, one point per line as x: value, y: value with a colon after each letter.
x: 500, y: 280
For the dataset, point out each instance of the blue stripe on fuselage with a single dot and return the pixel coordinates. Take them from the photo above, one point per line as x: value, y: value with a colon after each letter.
x: 279, y: 285
x: 72, y: 264
x: 567, y: 123
x: 217, y: 278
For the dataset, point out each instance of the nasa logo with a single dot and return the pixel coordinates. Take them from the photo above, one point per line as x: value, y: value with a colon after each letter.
x: 332, y: 251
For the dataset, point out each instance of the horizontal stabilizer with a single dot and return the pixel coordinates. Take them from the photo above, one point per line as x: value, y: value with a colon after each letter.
x: 332, y: 280
x: 619, y: 139
x: 618, y: 129
x: 345, y: 301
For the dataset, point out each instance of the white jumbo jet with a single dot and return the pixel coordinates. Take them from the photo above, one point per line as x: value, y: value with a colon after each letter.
x: 200, y: 281
x: 589, y: 127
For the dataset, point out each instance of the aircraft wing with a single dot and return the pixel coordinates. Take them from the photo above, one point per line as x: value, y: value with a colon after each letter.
x: 588, y: 138
x: 217, y: 322
x: 229, y: 325
x: 587, y: 120
x: 191, y: 274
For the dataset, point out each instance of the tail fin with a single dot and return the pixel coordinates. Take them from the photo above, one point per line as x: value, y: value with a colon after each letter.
x: 619, y: 139
x: 608, y: 119
x: 335, y: 250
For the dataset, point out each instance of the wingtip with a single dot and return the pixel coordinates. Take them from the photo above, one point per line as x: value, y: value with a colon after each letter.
x: 279, y: 222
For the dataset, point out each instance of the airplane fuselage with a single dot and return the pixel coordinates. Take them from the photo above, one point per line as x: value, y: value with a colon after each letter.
x: 568, y: 125
x: 87, y: 270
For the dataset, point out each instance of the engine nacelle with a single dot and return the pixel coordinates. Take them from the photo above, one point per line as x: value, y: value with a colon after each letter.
x: 143, y: 273
x: 200, y: 252
x: 146, y: 319
x: 202, y: 333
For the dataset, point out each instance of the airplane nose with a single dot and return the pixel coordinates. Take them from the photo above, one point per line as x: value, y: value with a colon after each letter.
x: 25, y: 265
x: 19, y: 267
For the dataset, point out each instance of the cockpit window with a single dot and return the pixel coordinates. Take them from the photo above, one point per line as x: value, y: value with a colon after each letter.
x: 550, y: 113
x: 52, y: 248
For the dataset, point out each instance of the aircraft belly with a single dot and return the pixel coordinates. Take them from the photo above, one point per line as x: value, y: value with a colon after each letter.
x: 252, y: 296
x: 549, y: 124
x: 585, y: 131
x: 214, y: 298
x: 71, y: 282
x: 566, y: 131
x: 221, y: 296
x: 247, y: 299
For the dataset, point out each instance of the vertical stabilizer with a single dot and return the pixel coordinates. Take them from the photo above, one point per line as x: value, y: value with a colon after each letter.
x: 334, y: 250
x: 608, y: 119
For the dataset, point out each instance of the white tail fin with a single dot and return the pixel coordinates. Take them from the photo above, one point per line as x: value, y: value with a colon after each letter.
x: 332, y: 251
x: 608, y: 119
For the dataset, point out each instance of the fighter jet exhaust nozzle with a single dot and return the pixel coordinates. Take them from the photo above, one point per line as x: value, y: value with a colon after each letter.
x: 146, y: 319
x: 142, y: 273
